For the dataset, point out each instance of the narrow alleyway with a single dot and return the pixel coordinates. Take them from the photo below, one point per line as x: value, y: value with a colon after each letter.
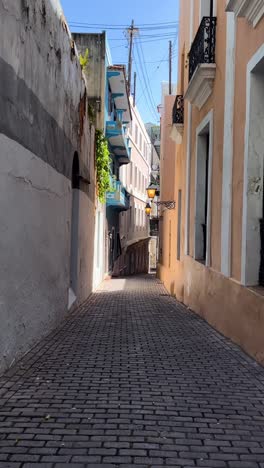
x: 133, y: 379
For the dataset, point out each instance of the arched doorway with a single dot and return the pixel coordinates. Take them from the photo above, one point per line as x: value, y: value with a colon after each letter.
x: 75, y: 223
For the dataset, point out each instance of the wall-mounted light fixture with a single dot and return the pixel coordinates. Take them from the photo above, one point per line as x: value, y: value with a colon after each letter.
x: 152, y: 192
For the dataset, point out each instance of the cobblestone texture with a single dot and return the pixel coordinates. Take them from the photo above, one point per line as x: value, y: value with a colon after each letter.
x: 133, y: 379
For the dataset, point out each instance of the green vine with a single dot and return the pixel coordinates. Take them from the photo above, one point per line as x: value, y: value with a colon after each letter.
x: 84, y: 59
x: 91, y: 113
x: 102, y: 165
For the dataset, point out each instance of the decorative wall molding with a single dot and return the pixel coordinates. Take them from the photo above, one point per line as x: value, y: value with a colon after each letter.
x: 201, y: 85
x: 252, y: 10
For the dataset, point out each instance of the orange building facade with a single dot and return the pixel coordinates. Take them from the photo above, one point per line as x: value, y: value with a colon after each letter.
x: 212, y: 162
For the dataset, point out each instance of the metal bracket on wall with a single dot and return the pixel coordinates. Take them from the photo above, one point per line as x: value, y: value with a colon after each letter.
x: 169, y: 205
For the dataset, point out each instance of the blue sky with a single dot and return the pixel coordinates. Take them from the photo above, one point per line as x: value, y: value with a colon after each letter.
x: 150, y: 53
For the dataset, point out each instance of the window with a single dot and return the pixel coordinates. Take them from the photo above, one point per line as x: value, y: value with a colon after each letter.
x: 140, y: 141
x: 205, y: 7
x: 136, y: 134
x: 131, y: 173
x: 110, y: 101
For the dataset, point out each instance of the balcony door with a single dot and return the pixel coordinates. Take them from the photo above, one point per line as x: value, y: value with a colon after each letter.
x: 203, y: 191
x: 206, y: 6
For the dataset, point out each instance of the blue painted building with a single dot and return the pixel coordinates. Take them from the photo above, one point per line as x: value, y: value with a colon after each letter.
x: 116, y: 131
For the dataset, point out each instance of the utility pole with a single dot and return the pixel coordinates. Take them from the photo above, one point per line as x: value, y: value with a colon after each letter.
x: 135, y: 88
x: 170, y: 66
x: 131, y: 32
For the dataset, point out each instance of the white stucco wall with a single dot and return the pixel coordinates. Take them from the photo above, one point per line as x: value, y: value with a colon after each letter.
x: 43, y: 122
x: 35, y: 206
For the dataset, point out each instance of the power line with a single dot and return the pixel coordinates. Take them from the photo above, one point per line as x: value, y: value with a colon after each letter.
x: 121, y: 27
x: 166, y: 24
x: 149, y: 99
x: 146, y: 72
x: 125, y: 25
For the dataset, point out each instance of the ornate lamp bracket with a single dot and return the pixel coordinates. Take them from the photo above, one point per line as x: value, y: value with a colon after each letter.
x: 169, y: 205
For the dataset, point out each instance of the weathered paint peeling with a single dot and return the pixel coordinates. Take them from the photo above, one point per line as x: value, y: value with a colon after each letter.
x: 255, y: 186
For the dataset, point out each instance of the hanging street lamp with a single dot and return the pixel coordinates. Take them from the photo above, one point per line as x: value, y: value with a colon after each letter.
x: 151, y: 191
x: 148, y: 209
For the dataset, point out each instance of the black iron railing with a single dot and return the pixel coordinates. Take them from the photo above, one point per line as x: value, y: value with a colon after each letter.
x: 261, y: 269
x: 203, y: 46
x: 178, y: 110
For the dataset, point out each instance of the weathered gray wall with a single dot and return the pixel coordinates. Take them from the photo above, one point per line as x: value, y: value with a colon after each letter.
x: 43, y: 121
x: 95, y: 71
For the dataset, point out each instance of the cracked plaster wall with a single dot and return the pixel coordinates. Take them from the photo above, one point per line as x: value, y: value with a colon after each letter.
x: 254, y: 196
x: 43, y: 121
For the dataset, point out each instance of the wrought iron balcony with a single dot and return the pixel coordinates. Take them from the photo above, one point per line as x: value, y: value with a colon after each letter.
x: 118, y: 198
x: 178, y: 111
x: 203, y: 46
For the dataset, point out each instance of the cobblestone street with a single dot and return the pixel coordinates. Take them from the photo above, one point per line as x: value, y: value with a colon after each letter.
x: 133, y: 379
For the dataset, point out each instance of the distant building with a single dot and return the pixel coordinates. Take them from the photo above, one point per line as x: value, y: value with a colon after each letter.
x: 122, y: 228
x: 135, y: 177
x: 110, y: 105
x: 154, y: 134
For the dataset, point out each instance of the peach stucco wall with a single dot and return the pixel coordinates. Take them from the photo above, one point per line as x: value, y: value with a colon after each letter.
x: 236, y: 311
x: 172, y: 171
